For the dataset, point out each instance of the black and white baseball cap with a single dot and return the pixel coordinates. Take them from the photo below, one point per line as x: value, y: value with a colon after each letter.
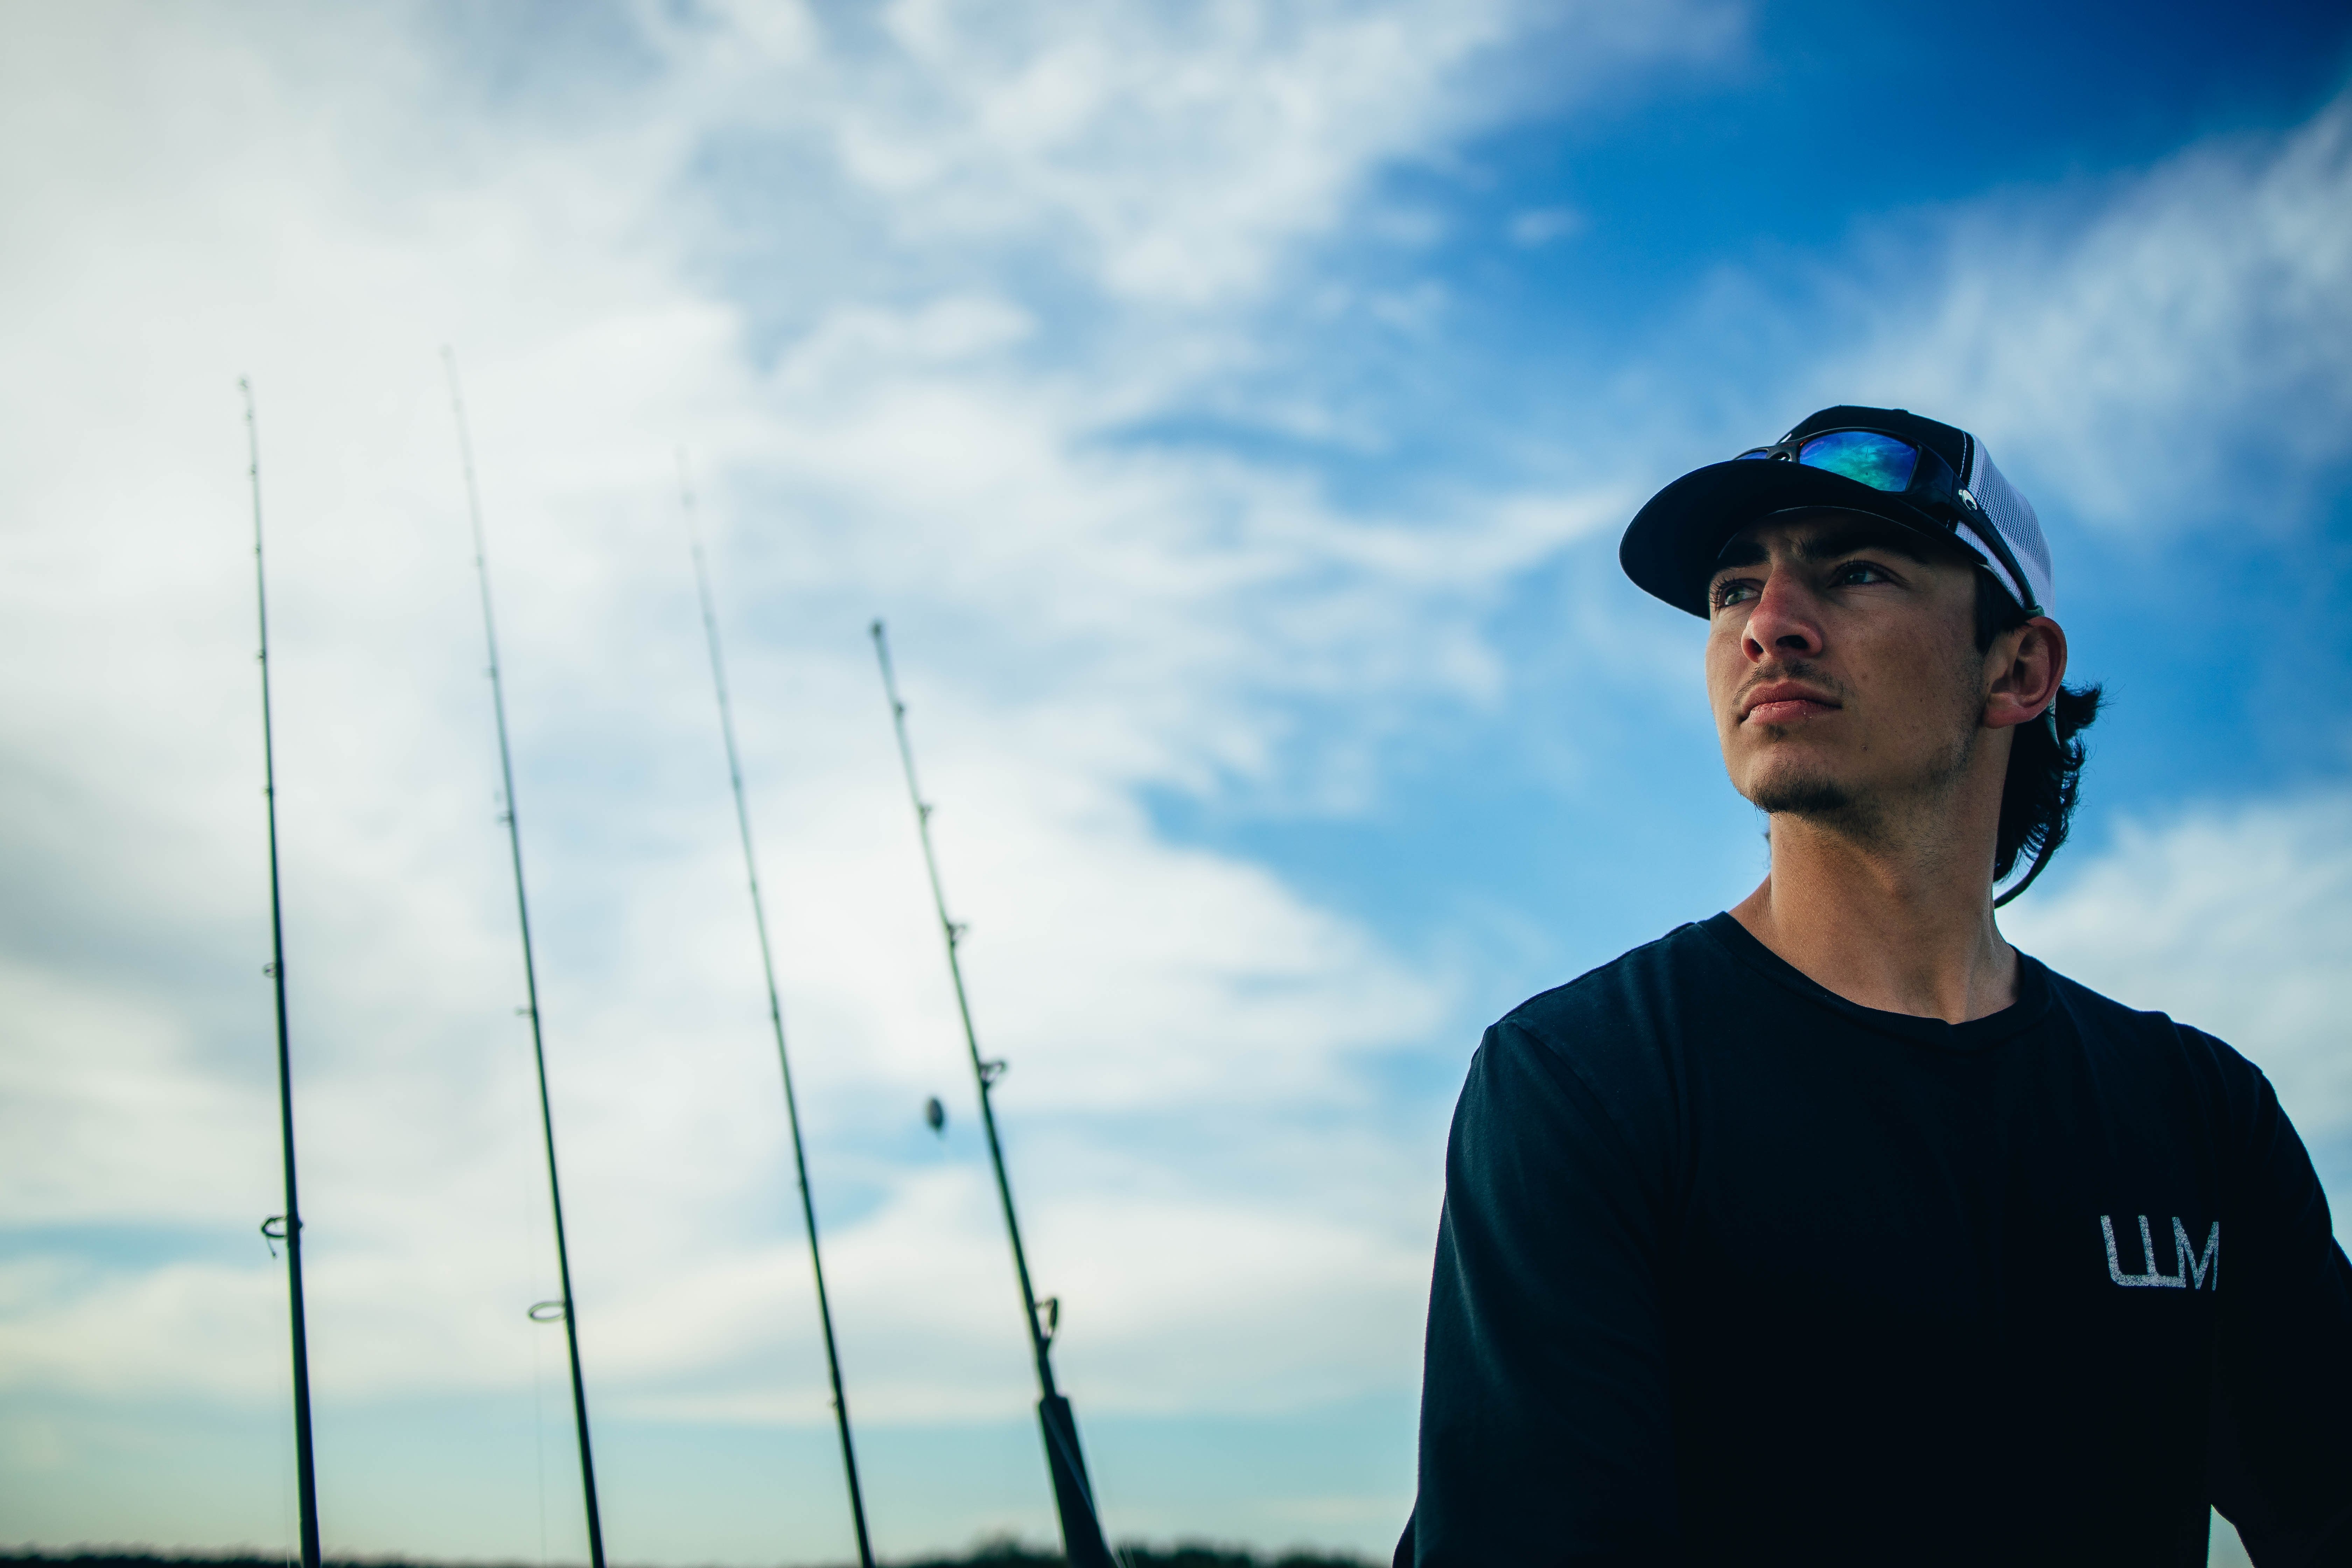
x: 1886, y: 463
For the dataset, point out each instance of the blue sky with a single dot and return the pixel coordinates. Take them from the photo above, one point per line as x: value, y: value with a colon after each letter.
x: 1234, y: 409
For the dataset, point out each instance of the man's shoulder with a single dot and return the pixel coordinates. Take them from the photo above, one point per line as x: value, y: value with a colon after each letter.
x: 1639, y: 997
x: 2141, y: 1032
x: 1606, y: 1046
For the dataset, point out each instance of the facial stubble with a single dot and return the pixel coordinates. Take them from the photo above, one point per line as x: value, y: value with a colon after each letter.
x: 1814, y: 795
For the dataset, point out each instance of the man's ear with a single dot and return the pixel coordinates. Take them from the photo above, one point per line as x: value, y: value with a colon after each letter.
x: 2032, y: 663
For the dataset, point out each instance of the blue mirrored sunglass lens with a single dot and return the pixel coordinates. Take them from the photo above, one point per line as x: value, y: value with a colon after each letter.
x: 1759, y: 452
x: 1882, y: 462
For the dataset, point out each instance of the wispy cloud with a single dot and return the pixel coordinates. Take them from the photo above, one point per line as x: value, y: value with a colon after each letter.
x: 1162, y: 156
x: 2162, y: 349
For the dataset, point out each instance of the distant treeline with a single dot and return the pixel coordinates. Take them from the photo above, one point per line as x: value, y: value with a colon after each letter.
x: 988, y: 1554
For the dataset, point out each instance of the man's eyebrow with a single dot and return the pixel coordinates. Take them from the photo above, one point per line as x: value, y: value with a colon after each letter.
x: 1833, y: 544
x: 1743, y: 551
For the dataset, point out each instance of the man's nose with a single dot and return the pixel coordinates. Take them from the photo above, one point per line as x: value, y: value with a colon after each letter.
x: 1784, y: 623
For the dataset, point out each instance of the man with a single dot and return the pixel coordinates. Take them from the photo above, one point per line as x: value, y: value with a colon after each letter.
x: 1834, y: 1229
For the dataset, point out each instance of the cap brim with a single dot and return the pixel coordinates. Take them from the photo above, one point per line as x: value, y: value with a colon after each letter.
x: 1670, y: 547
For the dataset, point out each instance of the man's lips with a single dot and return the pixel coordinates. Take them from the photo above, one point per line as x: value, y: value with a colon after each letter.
x: 1785, y: 702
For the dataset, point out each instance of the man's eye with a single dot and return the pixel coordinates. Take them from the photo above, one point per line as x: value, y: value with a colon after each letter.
x: 1735, y: 591
x: 1857, y: 572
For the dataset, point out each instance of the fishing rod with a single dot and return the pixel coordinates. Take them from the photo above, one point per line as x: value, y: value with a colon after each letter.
x: 775, y: 1008
x: 530, y: 983
x: 1074, y: 1495
x: 288, y: 1225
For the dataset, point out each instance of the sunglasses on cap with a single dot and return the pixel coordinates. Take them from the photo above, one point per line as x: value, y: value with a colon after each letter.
x: 1916, y: 473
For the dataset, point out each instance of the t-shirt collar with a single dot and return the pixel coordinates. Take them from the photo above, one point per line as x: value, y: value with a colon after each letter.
x: 2033, y: 995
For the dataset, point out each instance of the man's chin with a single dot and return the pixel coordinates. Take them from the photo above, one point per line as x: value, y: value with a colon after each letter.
x: 1802, y: 795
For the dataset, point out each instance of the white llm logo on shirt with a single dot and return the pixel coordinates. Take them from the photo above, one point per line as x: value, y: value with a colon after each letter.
x: 2192, y: 1269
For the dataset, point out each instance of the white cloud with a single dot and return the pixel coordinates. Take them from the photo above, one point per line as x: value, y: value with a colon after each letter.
x: 204, y: 194
x: 2238, y: 921
x: 2170, y: 351
x: 1170, y: 156
x: 1537, y: 227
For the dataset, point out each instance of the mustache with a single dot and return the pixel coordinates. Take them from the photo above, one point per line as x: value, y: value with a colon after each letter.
x: 1801, y: 669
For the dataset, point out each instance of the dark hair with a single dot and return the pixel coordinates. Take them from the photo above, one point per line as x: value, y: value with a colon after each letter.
x: 2045, y: 760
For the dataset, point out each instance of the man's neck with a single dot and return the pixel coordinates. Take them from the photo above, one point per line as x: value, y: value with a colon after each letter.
x: 1903, y: 927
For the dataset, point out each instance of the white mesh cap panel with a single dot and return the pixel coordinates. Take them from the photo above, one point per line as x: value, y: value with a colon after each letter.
x: 2012, y: 516
x: 1965, y: 532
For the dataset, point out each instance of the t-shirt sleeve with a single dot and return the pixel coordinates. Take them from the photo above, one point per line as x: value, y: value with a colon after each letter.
x: 2282, y: 1450
x: 1546, y: 1437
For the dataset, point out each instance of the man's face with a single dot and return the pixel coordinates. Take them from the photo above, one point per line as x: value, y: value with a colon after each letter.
x: 1842, y: 664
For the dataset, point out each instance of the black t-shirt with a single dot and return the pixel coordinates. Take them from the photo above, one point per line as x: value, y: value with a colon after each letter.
x: 1732, y: 1269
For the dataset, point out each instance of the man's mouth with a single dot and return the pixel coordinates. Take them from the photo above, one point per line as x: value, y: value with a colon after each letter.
x: 1787, y: 702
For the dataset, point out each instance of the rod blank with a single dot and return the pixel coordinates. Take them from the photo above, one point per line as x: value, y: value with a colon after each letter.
x: 290, y: 1224
x: 775, y: 1007
x: 1073, y: 1496
x: 570, y: 1312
